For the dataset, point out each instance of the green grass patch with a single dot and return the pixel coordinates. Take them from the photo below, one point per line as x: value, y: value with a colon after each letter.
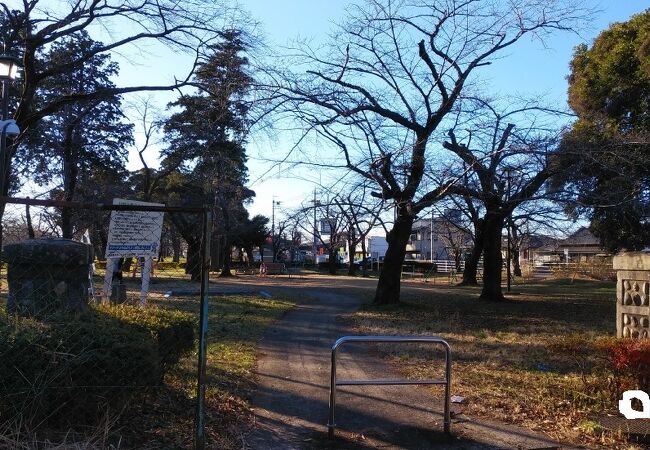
x: 236, y: 324
x: 69, y: 371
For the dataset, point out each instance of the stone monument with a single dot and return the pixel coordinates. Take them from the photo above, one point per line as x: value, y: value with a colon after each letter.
x: 633, y: 295
x: 46, y: 275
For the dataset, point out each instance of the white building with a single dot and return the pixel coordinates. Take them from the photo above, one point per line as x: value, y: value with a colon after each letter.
x: 376, y: 247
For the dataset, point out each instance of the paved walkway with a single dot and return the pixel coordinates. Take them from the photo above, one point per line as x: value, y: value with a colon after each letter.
x: 291, y: 403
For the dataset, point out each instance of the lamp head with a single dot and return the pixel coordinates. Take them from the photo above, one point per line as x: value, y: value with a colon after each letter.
x: 9, y: 127
x: 8, y: 67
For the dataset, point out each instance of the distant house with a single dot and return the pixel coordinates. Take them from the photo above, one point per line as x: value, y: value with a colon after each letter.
x: 376, y: 247
x: 581, y: 246
x: 438, y: 238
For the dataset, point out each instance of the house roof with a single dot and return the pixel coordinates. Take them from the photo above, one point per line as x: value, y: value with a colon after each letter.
x: 582, y: 237
x: 536, y: 241
x: 582, y: 241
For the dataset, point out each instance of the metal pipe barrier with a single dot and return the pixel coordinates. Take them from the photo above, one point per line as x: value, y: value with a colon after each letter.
x: 334, y: 382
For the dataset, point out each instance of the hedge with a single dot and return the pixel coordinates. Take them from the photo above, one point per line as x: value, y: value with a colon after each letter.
x: 69, y: 370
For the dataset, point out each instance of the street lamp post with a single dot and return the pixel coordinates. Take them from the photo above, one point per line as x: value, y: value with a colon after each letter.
x: 313, y: 245
x: 509, y: 219
x: 431, y: 237
x: 8, y: 73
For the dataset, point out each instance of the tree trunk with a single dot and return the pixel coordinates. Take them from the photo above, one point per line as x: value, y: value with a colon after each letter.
x: 100, y: 237
x: 70, y: 175
x: 516, y: 267
x: 332, y: 263
x: 514, y: 252
x: 388, y: 286
x: 30, y: 227
x: 492, y: 259
x: 126, y: 264
x: 276, y: 247
x: 457, y: 258
x: 216, y: 252
x: 471, y: 264
x: 226, y: 255
x: 193, y: 265
x: 351, y: 267
x: 364, y: 268
x: 176, y: 247
x: 66, y: 223
x: 249, y: 255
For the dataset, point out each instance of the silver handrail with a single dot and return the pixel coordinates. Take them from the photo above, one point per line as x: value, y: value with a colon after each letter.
x: 331, y: 425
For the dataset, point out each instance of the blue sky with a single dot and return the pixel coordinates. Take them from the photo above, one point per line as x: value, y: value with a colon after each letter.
x: 527, y: 69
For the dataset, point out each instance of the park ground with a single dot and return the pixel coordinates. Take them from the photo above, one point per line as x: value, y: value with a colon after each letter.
x: 519, y: 362
x: 524, y: 363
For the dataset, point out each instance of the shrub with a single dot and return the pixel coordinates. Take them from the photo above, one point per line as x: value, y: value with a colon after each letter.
x: 621, y: 364
x: 173, y: 331
x: 69, y: 370
x: 630, y: 361
x: 167, y: 265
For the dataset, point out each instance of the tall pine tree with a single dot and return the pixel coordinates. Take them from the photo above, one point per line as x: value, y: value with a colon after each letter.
x: 206, y: 143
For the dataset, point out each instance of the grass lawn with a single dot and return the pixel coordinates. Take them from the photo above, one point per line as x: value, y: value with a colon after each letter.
x: 505, y: 355
x: 236, y: 324
x: 166, y: 419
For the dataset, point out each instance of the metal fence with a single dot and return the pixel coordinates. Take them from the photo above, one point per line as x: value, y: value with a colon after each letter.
x: 67, y: 357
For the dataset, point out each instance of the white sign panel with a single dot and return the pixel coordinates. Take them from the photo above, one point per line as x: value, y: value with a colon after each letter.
x: 134, y: 233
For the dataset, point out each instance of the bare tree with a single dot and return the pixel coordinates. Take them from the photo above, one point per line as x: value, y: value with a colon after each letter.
x: 279, y: 239
x: 333, y: 228
x: 125, y: 26
x: 148, y: 124
x: 503, y: 166
x: 453, y: 234
x: 393, y: 73
x: 361, y: 216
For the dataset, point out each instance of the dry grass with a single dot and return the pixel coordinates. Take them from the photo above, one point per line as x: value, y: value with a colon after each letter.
x: 504, y: 362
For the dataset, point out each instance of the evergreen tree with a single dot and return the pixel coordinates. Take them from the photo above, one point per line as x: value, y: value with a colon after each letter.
x: 606, y: 151
x: 84, y: 138
x: 206, y: 142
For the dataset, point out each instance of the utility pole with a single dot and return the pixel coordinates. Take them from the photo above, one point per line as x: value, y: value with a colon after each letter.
x: 316, y: 203
x: 273, y: 203
x: 431, y: 236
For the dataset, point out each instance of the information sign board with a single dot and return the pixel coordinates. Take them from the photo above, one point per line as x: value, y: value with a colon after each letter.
x: 134, y: 233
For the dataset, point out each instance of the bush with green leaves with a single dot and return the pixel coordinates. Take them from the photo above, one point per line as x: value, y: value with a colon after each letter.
x: 68, y: 370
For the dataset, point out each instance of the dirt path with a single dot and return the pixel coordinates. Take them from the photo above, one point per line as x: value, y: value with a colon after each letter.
x: 291, y: 403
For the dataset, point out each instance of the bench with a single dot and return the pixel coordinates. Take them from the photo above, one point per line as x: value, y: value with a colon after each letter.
x: 295, y: 271
x: 244, y: 270
x: 275, y: 268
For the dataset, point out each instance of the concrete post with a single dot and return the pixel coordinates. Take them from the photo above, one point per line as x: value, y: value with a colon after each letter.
x: 633, y: 295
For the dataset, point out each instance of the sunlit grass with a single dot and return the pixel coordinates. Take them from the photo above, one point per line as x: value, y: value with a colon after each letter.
x: 236, y: 323
x: 503, y: 362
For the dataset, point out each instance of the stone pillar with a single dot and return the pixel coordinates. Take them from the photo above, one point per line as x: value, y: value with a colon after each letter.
x: 633, y: 295
x: 46, y: 275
